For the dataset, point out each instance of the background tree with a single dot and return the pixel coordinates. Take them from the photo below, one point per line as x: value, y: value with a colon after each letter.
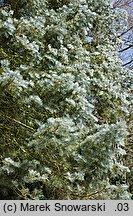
x: 126, y: 33
x: 63, y: 104
x: 126, y: 53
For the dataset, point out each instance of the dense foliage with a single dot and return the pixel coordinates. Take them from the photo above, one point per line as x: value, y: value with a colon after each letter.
x: 63, y: 101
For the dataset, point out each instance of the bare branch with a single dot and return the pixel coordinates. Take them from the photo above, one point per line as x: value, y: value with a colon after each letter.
x: 20, y: 123
x: 127, y: 63
x: 121, y: 3
x: 125, y: 31
x: 116, y: 3
x: 131, y: 45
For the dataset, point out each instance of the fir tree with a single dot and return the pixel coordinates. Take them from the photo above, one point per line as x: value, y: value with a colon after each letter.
x: 63, y: 104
